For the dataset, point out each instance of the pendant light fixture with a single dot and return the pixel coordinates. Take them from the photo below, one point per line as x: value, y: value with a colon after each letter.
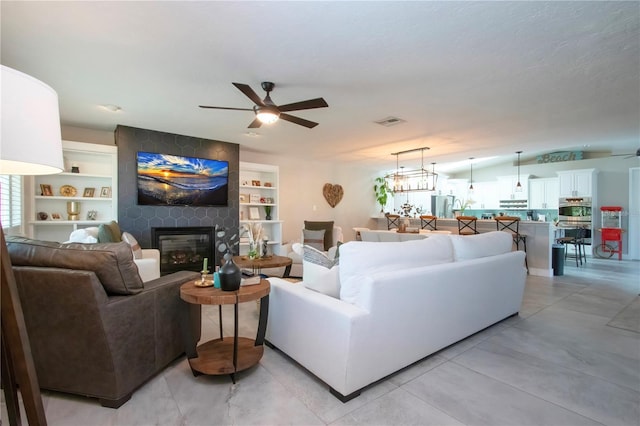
x: 471, y: 177
x: 413, y: 180
x: 518, y: 185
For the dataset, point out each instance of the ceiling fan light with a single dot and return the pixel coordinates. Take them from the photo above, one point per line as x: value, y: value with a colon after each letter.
x: 267, y: 117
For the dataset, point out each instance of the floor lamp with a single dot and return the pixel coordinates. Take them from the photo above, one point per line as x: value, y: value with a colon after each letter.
x: 30, y: 145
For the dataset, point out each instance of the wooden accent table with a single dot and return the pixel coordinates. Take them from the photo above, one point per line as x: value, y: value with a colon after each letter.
x: 256, y: 265
x: 227, y: 355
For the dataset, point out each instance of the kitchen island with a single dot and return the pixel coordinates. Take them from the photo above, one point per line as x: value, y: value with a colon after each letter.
x: 540, y: 237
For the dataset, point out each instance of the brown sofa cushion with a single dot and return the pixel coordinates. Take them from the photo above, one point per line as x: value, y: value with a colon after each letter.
x: 111, y: 262
x: 328, y: 231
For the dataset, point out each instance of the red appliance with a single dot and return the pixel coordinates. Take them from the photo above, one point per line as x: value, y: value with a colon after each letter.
x: 611, y: 231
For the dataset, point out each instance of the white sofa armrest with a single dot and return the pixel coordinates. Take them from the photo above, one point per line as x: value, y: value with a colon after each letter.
x: 149, y: 265
x: 152, y: 254
x: 323, y: 326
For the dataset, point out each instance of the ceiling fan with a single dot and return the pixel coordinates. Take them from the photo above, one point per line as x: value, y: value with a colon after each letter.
x: 268, y: 112
x: 637, y: 154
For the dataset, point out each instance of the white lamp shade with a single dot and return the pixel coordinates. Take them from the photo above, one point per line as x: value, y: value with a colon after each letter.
x: 31, y: 141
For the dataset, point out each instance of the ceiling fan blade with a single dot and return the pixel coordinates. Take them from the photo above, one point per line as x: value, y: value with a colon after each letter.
x: 255, y: 124
x: 298, y: 120
x: 249, y: 93
x: 310, y: 104
x: 233, y: 109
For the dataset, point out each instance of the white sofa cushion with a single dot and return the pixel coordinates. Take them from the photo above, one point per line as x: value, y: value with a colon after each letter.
x: 320, y: 273
x: 467, y: 247
x: 359, y: 259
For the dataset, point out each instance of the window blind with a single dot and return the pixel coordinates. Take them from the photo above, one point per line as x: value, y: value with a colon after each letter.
x: 11, y: 203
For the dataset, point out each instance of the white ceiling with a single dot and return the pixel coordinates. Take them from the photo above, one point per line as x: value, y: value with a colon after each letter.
x: 471, y: 79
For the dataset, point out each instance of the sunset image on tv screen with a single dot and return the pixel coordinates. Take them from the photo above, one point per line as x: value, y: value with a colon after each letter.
x: 165, y: 179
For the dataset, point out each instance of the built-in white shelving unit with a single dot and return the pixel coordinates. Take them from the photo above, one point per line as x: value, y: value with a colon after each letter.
x: 259, y: 189
x: 94, y: 187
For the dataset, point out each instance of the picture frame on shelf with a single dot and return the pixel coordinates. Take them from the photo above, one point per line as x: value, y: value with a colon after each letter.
x: 254, y: 213
x: 244, y: 198
x: 254, y: 198
x: 105, y: 192
x: 46, y: 190
x: 92, y: 215
x: 89, y: 192
x: 56, y: 216
x: 255, y: 183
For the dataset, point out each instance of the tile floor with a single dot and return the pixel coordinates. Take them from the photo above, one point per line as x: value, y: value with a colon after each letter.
x: 572, y: 357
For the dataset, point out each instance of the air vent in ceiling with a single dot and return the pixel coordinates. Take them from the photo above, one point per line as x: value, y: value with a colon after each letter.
x: 390, y: 121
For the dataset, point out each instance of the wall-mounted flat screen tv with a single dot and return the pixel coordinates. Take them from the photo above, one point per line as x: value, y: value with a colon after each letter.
x: 174, y: 180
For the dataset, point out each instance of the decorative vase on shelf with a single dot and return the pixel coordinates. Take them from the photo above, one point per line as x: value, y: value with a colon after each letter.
x: 230, y: 275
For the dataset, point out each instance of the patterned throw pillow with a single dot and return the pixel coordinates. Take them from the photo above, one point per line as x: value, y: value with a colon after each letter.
x: 135, y: 246
x: 319, y: 273
x: 314, y: 239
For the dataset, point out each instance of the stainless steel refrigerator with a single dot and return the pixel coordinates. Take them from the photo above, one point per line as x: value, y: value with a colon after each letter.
x: 442, y: 205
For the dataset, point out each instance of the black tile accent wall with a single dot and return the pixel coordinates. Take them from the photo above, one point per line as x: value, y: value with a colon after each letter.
x: 138, y: 220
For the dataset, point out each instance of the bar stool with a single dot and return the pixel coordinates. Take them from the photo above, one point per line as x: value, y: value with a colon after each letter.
x: 393, y: 221
x: 512, y: 224
x: 576, y: 238
x: 427, y: 221
x: 467, y: 225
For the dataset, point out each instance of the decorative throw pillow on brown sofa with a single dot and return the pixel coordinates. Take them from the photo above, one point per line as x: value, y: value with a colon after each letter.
x: 109, y: 232
x: 328, y: 231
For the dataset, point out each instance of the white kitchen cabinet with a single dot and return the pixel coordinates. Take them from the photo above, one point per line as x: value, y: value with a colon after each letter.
x: 577, y: 183
x: 485, y: 195
x: 259, y: 189
x: 507, y: 187
x: 94, y: 187
x: 543, y: 193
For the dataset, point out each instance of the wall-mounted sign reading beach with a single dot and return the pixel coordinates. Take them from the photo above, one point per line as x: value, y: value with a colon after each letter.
x: 559, y: 156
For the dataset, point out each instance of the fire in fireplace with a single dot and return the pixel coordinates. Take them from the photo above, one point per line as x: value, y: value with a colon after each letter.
x: 184, y: 248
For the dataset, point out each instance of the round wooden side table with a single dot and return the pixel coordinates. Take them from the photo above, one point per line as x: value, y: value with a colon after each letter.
x: 227, y: 355
x: 256, y: 265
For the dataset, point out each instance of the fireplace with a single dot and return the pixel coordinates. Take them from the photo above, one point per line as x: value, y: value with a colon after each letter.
x: 184, y: 249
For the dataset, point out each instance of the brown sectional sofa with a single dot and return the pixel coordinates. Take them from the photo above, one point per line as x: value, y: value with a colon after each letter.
x: 95, y: 329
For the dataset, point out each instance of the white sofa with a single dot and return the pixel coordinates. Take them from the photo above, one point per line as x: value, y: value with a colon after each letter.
x: 147, y: 260
x: 391, y: 236
x: 399, y: 302
x: 294, y: 251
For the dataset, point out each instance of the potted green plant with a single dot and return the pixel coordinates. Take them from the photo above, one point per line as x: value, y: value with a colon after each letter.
x: 382, y: 191
x: 267, y: 211
x: 463, y: 205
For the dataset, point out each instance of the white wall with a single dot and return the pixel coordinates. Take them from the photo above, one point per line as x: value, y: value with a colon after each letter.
x: 301, y: 197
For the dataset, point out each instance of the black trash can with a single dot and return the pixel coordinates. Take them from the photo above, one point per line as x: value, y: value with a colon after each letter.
x: 557, y: 259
